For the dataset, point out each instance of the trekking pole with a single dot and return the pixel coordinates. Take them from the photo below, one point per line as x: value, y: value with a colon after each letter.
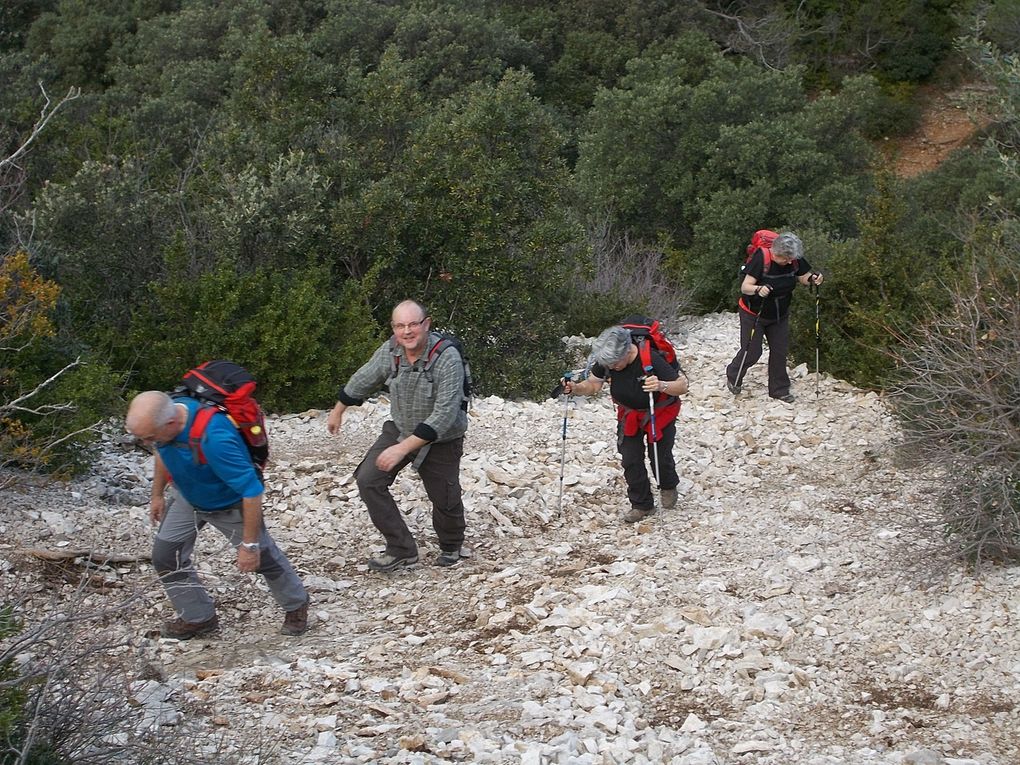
x: 818, y: 334
x: 563, y: 448
x: 747, y: 346
x: 651, y: 434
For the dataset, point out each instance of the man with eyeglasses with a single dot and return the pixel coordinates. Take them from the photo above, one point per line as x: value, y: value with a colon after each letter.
x: 426, y: 427
x: 224, y: 491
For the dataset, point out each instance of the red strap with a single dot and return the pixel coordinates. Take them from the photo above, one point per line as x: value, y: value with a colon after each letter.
x: 645, y: 354
x: 198, y: 426
x: 219, y: 389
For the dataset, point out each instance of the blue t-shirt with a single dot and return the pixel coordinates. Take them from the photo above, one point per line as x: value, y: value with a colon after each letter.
x: 228, y: 475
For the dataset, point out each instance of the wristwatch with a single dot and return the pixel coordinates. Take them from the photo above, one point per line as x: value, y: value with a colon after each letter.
x: 250, y: 546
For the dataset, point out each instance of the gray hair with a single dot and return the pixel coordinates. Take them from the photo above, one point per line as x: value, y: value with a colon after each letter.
x: 167, y: 410
x: 611, y: 346
x: 789, y: 245
x: 150, y: 409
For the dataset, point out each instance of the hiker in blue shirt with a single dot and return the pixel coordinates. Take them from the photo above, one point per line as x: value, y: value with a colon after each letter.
x: 223, y: 490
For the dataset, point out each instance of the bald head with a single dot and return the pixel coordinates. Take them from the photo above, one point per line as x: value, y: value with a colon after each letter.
x: 409, y: 308
x: 151, y: 414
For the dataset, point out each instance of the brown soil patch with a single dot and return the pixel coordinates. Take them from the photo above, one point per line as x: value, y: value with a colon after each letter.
x: 950, y: 121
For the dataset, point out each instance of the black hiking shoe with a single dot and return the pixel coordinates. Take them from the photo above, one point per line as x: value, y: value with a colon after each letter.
x: 386, y: 562
x: 448, y: 558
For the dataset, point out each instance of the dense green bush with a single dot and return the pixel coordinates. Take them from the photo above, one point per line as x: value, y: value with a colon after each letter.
x: 475, y: 224
x: 298, y: 338
x: 718, y: 149
x: 1002, y: 25
x: 51, y: 395
x: 878, y: 285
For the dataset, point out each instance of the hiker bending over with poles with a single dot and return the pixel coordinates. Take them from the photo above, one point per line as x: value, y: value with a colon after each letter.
x: 635, y: 384
x: 775, y: 267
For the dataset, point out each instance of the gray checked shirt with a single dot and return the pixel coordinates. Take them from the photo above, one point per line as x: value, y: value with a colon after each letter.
x: 428, y: 408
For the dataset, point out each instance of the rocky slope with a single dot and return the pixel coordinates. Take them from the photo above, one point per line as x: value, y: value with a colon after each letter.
x: 776, y: 616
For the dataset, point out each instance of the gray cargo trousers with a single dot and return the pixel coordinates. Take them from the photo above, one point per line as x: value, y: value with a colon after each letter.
x: 175, y: 541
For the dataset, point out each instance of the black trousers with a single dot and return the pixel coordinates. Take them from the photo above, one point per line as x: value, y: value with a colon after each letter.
x: 440, y: 473
x: 778, y: 333
x: 633, y: 451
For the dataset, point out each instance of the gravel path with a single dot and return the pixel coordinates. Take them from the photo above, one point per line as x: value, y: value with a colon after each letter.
x: 781, y: 614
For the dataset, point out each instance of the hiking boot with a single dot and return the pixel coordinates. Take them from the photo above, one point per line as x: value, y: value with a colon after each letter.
x: 667, y: 498
x: 448, y: 557
x: 788, y: 398
x: 182, y: 630
x: 296, y: 622
x: 732, y: 387
x: 637, y: 514
x: 387, y: 562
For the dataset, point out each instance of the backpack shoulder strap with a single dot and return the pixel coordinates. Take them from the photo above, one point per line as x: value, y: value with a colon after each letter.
x: 197, y: 431
x: 394, y: 360
x: 438, y: 347
x: 644, y: 345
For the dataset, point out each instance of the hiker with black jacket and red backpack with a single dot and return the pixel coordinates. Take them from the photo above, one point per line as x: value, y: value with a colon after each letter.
x: 641, y: 429
x: 224, y: 489
x: 425, y: 374
x: 775, y: 267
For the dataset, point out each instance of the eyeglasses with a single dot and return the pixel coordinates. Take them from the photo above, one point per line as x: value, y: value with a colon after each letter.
x: 151, y: 440
x: 409, y: 325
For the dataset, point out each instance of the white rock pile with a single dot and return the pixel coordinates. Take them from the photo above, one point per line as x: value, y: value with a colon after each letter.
x: 777, y: 615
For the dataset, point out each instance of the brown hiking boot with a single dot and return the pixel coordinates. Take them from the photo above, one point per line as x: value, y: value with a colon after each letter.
x: 296, y: 622
x: 182, y: 630
x: 637, y: 514
x: 667, y: 498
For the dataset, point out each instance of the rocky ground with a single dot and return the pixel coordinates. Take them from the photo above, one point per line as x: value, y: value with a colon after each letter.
x: 778, y: 615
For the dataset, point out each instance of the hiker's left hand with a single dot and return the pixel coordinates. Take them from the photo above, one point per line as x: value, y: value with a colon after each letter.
x: 816, y: 279
x: 650, y: 384
x: 389, y: 458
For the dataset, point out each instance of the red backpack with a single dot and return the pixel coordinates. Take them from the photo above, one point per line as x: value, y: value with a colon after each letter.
x: 223, y: 386
x: 762, y: 240
x: 648, y: 334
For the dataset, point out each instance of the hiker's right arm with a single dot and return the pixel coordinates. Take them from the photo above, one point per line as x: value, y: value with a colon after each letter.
x: 336, y: 418
x: 363, y: 383
x: 750, y: 286
x: 157, y: 502
x: 587, y: 387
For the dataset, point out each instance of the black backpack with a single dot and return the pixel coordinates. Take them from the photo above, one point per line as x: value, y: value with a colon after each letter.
x: 223, y: 386
x: 446, y: 340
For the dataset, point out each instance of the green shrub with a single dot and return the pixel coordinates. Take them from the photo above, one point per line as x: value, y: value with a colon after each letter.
x: 877, y: 286
x: 895, y: 111
x: 50, y: 394
x: 290, y: 329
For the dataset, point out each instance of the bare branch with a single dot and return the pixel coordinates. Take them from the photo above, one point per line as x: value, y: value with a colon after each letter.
x: 959, y: 401
x: 769, y: 38
x: 47, y: 113
x: 16, y: 403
